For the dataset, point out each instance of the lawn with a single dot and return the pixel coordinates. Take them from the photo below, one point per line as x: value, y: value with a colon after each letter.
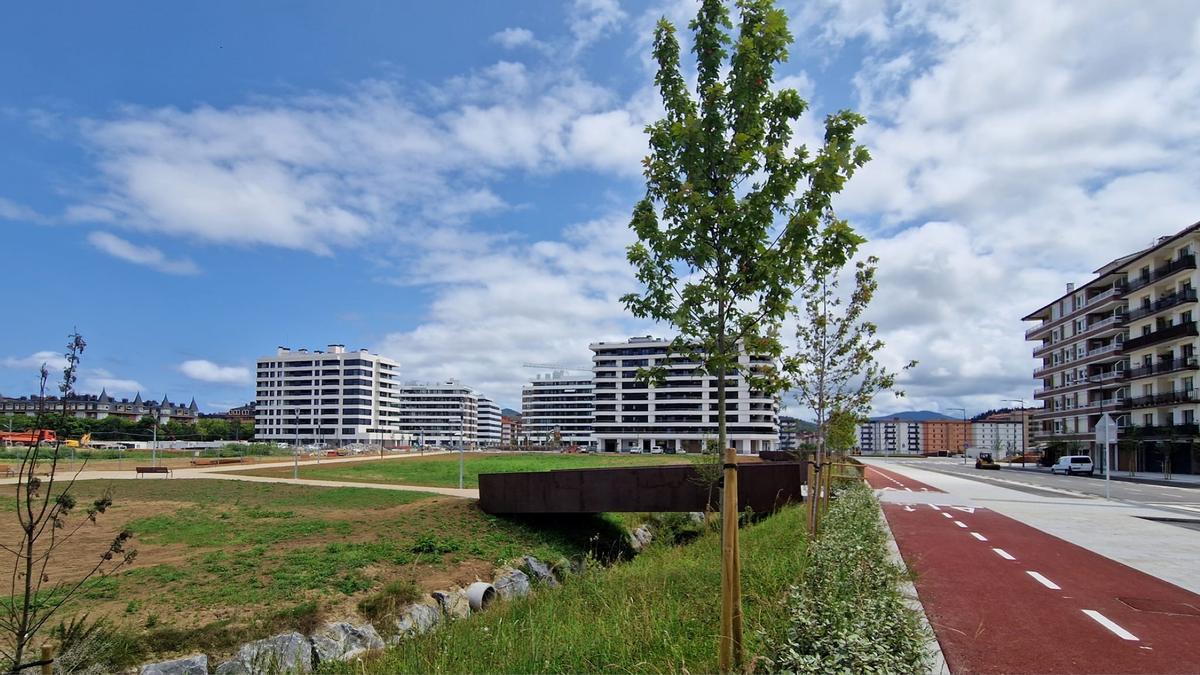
x: 221, y: 562
x: 442, y: 470
x: 658, y: 613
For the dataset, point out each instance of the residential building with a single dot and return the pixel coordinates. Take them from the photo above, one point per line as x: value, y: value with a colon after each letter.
x: 681, y: 412
x: 442, y: 414
x: 945, y: 436
x: 557, y: 408
x: 1023, y: 416
x: 489, y: 422
x: 103, y: 406
x: 1124, y: 343
x: 999, y: 438
x: 788, y: 429
x: 242, y: 414
x: 890, y: 437
x: 321, y: 397
x: 510, y: 431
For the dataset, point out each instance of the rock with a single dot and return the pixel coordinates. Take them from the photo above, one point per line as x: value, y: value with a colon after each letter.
x: 197, y: 664
x: 696, y: 517
x: 454, y: 603
x: 539, y: 571
x: 640, y: 538
x: 342, y: 641
x: 511, y: 583
x: 417, y: 619
x: 287, y: 653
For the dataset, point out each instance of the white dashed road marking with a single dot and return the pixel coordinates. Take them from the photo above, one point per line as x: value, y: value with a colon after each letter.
x: 947, y: 515
x: 1003, y: 554
x: 960, y: 523
x: 978, y: 536
x: 1044, y: 581
x: 1108, y: 623
x: 934, y: 507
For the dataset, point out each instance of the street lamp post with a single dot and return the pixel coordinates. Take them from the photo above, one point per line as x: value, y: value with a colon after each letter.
x: 1021, y: 413
x: 461, y: 460
x: 965, y: 430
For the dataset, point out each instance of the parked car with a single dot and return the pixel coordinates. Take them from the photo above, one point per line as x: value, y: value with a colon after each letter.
x: 1072, y: 464
x: 656, y: 450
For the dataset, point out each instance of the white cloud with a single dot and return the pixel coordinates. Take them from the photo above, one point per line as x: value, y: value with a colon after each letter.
x: 591, y: 20
x: 53, y: 361
x: 512, y: 38
x: 141, y: 255
x: 207, y: 371
x: 95, y: 380
x: 10, y: 210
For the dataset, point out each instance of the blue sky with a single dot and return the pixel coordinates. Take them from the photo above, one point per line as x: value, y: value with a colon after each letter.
x: 449, y: 183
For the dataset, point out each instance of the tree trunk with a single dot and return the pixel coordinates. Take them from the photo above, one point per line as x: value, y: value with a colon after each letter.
x: 731, y: 610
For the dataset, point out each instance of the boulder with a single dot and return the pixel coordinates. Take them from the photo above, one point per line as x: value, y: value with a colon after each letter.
x: 342, y: 641
x: 696, y: 517
x: 511, y: 583
x: 197, y: 664
x: 287, y: 653
x: 417, y: 619
x: 539, y: 571
x: 454, y: 603
x: 640, y: 538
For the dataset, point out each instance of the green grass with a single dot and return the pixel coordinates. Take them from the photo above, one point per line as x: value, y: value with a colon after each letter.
x: 442, y: 470
x: 658, y: 613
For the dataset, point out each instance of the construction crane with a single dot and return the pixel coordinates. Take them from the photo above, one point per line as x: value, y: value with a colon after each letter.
x: 552, y: 366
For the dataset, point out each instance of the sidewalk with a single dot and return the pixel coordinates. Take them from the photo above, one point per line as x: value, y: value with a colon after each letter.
x: 1005, y: 595
x: 1182, y: 480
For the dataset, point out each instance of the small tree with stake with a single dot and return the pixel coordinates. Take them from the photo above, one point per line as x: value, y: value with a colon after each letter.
x: 44, y: 514
x: 834, y: 366
x: 740, y: 225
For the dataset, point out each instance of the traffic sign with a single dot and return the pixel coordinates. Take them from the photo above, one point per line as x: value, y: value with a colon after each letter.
x: 1106, y: 430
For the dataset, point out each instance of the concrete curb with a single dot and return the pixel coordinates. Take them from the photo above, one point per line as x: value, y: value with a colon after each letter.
x: 1124, y: 478
x: 913, y: 600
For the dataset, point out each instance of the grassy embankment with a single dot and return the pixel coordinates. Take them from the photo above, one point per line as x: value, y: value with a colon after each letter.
x: 442, y: 470
x: 221, y: 562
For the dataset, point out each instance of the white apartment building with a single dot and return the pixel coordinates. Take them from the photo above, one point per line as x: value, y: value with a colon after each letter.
x: 327, y: 397
x: 443, y: 413
x: 1000, y: 438
x: 1124, y: 343
x: 680, y: 413
x: 489, y: 422
x: 890, y: 437
x: 558, y: 403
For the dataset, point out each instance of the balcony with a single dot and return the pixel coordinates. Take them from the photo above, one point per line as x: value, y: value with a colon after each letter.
x: 1163, y: 367
x: 1162, y: 400
x: 1187, y: 262
x: 1107, y: 376
x: 1162, y: 335
x: 1113, y: 348
x: 1164, y: 302
x: 1162, y: 431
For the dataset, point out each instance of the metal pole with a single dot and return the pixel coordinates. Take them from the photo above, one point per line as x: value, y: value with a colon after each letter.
x: 1107, y: 464
x: 460, y: 452
x: 1021, y: 416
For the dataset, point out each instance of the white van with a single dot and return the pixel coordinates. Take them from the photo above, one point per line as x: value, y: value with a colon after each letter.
x: 1071, y: 464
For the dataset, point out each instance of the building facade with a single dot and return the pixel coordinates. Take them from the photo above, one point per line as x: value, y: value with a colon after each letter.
x: 999, y: 438
x: 327, y: 397
x: 945, y: 436
x: 890, y: 437
x: 510, y: 431
x: 444, y: 414
x: 558, y: 408
x: 490, y: 427
x: 100, y: 407
x: 681, y: 412
x: 1124, y: 343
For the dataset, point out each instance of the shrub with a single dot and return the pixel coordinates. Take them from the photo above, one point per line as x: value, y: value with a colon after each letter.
x: 94, y: 647
x: 847, y: 615
x: 386, y: 602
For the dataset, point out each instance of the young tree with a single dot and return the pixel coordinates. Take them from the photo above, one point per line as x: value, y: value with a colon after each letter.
x: 731, y: 222
x: 834, y: 366
x: 841, y: 429
x: 44, y: 512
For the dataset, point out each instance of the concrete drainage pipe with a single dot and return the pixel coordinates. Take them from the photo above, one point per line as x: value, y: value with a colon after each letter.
x: 480, y: 594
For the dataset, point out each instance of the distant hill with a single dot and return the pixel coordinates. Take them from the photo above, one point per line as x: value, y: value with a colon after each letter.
x: 805, y: 425
x: 509, y: 412
x: 914, y: 416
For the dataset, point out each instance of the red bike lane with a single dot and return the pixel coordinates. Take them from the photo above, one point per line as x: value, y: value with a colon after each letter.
x: 1004, y: 597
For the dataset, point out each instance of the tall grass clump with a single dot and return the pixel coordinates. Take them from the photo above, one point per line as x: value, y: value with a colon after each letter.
x: 659, y: 612
x: 848, y: 615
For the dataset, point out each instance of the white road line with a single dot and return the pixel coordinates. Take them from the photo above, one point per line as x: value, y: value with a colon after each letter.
x: 947, y: 515
x: 960, y: 523
x: 1044, y: 581
x: 934, y: 507
x: 978, y: 536
x: 909, y: 489
x: 1108, y: 623
x: 1003, y: 554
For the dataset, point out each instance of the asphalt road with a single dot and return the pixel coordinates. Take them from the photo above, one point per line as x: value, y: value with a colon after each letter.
x: 1004, y: 597
x: 1182, y: 500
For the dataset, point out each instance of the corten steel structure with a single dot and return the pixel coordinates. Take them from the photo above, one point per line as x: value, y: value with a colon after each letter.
x: 763, y: 487
x: 1125, y: 343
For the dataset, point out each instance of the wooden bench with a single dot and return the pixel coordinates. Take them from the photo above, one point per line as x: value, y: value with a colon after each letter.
x: 152, y: 469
